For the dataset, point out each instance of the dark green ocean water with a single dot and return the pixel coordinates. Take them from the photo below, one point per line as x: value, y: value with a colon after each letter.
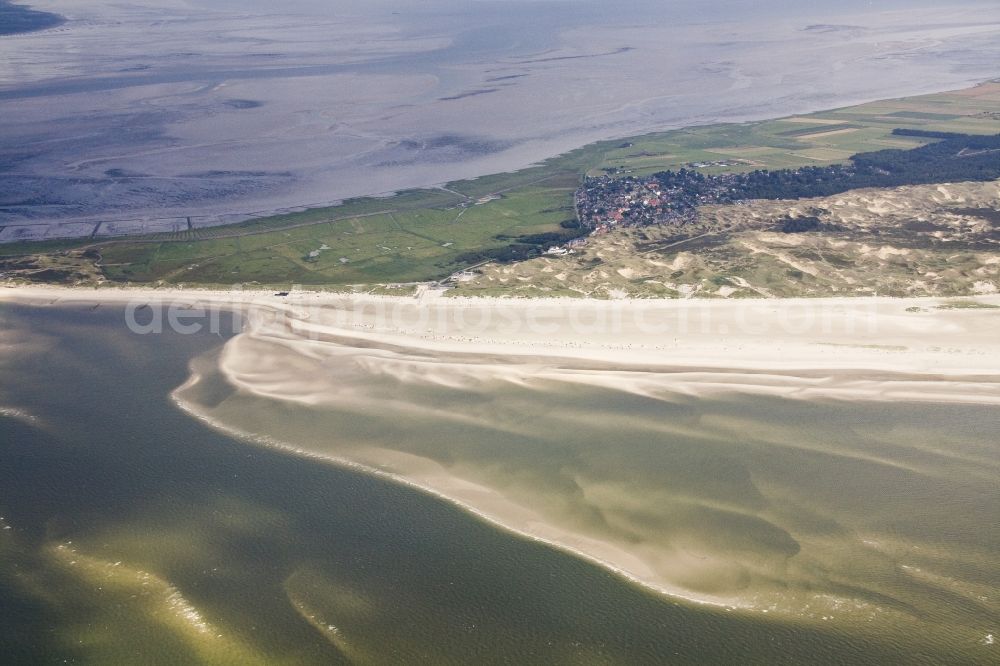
x: 133, y: 533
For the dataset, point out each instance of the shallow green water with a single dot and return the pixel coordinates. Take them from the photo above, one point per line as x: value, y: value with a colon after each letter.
x: 138, y: 534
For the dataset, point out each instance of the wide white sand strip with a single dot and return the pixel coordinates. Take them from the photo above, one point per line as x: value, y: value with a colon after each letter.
x: 943, y: 350
x: 344, y: 351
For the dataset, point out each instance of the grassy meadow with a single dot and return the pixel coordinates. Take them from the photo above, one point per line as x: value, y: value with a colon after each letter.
x: 427, y: 235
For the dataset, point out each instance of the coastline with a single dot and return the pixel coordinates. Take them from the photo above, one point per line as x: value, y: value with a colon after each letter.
x: 786, y: 462
x: 229, y: 218
x: 929, y: 337
x: 498, y: 511
x: 858, y: 350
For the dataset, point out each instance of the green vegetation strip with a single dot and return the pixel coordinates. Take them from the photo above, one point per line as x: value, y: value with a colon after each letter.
x: 429, y: 234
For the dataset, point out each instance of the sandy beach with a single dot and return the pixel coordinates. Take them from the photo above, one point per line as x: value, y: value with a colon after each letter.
x: 648, y: 399
x: 853, y: 348
x: 374, y: 357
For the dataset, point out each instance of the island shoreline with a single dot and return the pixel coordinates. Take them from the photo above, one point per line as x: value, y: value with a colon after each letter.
x: 937, y: 355
x: 236, y: 218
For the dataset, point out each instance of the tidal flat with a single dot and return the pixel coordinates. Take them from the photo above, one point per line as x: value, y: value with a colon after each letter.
x: 161, y: 500
x: 233, y: 111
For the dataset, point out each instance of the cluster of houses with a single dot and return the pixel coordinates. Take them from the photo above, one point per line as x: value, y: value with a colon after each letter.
x: 605, y: 203
x: 668, y: 197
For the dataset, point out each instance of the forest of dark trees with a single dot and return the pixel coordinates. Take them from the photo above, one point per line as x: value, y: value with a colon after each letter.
x: 524, y: 246
x: 951, y: 158
x: 955, y: 158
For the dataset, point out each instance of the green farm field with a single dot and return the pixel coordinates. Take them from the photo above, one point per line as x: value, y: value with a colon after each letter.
x: 388, y: 246
x: 427, y: 235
